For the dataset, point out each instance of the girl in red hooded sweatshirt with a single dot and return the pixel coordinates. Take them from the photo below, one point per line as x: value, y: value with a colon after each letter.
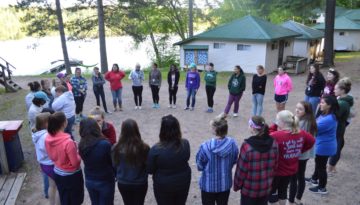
x: 62, y: 150
x: 292, y: 142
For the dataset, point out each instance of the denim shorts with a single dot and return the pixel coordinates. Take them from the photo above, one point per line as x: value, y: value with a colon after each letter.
x: 281, y: 98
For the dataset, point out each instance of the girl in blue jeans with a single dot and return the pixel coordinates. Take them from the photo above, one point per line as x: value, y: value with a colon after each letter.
x: 95, y: 150
x: 315, y: 84
x: 192, y: 85
x: 258, y: 90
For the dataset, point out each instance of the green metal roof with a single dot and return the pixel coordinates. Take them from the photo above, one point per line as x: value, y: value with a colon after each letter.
x: 341, y: 23
x: 248, y: 28
x: 197, y: 47
x: 307, y: 32
x: 353, y: 14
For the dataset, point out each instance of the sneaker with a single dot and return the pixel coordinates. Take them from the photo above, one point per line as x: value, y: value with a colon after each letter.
x: 192, y: 109
x: 186, y: 108
x: 311, y: 181
x: 157, y: 106
x: 235, y: 115
x: 170, y: 106
x: 318, y: 190
x: 108, y: 112
x: 174, y: 106
x: 139, y: 107
x: 154, y: 105
x: 136, y: 107
x: 209, y: 110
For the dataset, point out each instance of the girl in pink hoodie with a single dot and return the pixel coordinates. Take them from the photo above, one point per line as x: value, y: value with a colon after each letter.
x: 283, y: 86
x: 62, y: 150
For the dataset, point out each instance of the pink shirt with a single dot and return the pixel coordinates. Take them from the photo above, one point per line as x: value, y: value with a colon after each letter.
x: 282, y: 84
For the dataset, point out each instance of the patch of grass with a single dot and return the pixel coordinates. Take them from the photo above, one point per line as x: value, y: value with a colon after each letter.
x: 2, y: 91
x: 346, y: 56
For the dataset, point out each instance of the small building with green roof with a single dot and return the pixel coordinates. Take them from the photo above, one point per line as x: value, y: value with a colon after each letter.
x: 346, y: 30
x: 248, y: 42
x: 309, y: 44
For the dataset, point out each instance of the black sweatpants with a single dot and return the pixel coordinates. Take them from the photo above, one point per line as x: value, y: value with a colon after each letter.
x: 99, y: 93
x: 70, y: 188
x: 340, y: 145
x: 245, y: 200
x: 320, y: 170
x: 220, y: 198
x: 79, y: 103
x: 137, y: 90
x: 155, y: 93
x: 210, y: 91
x: 279, y: 188
x: 167, y: 197
x: 172, y: 95
x: 133, y: 194
x: 297, y: 182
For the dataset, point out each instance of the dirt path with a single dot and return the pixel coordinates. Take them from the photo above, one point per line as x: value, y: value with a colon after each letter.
x: 343, y: 188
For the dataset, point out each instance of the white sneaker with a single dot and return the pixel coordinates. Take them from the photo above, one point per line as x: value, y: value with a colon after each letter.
x: 235, y: 115
x: 139, y: 107
x: 170, y: 106
x: 136, y: 107
x: 174, y: 106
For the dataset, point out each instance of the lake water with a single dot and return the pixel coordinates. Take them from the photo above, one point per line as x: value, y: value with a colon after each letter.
x: 34, y: 55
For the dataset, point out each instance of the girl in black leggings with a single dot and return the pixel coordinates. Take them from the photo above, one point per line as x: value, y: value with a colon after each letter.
x: 307, y: 123
x: 173, y: 81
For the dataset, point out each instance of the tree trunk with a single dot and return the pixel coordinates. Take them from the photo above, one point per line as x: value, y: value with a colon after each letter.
x: 102, y: 41
x: 156, y: 49
x: 329, y: 33
x: 191, y: 28
x: 62, y: 36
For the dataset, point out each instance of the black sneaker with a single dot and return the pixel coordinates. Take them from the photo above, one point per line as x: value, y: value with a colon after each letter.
x: 318, y: 190
x: 311, y: 181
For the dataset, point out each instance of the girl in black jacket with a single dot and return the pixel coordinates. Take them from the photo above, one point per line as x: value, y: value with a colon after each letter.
x: 173, y: 81
x: 315, y: 84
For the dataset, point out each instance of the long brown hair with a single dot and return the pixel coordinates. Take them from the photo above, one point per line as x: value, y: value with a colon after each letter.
x: 90, y: 134
x: 316, y: 74
x: 309, y: 117
x: 130, y: 145
x: 170, y: 132
x: 263, y: 130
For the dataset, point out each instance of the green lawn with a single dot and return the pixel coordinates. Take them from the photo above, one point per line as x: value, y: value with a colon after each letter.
x: 346, y: 56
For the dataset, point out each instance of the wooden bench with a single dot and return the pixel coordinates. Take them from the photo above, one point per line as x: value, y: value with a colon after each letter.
x: 10, y: 186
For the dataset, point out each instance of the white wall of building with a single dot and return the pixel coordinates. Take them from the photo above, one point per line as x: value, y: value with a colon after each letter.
x: 349, y: 41
x: 271, y: 58
x: 227, y: 57
x: 288, y: 50
x: 301, y: 48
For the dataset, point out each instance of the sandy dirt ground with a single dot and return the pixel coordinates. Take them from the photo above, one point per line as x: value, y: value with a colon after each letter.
x: 343, y: 188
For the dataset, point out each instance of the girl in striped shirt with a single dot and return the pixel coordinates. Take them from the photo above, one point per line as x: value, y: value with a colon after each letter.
x: 215, y: 159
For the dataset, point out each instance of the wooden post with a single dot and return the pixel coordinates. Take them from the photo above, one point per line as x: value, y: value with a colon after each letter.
x: 3, y: 159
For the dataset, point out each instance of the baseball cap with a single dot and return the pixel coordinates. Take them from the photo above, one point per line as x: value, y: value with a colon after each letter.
x: 192, y: 65
x: 41, y: 95
x: 60, y: 75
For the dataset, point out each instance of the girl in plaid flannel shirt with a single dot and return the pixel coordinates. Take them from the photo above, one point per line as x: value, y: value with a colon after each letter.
x: 256, y: 164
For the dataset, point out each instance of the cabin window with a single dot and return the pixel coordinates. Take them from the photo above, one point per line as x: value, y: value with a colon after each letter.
x: 342, y: 33
x: 287, y: 43
x: 243, y: 47
x: 199, y: 57
x: 219, y: 45
x: 274, y: 45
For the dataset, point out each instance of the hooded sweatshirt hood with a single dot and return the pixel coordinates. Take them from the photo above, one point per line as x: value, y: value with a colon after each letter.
x: 260, y: 144
x: 38, y: 139
x: 221, y: 147
x: 349, y: 99
x: 62, y: 150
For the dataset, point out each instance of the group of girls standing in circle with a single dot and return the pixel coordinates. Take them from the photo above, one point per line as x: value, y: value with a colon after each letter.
x: 270, y: 160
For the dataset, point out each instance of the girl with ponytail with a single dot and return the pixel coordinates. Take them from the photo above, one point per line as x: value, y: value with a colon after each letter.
x: 292, y: 142
x: 256, y: 164
x: 215, y: 159
x: 307, y: 123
